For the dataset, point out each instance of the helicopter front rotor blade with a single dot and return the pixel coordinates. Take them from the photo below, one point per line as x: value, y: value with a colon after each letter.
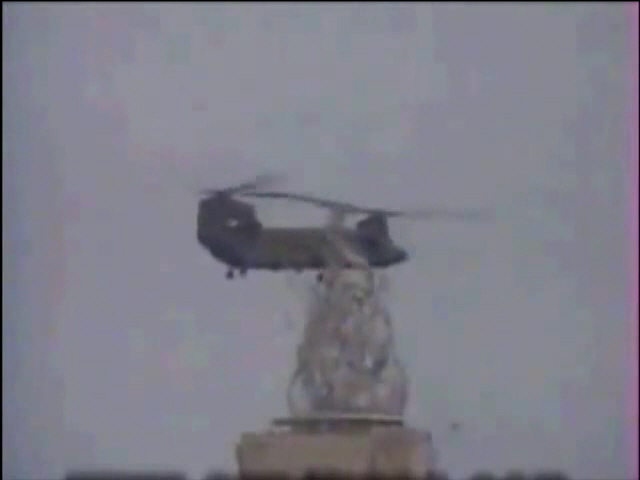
x: 264, y: 180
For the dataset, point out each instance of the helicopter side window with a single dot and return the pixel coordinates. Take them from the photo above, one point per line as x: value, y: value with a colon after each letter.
x: 243, y: 227
x: 232, y: 223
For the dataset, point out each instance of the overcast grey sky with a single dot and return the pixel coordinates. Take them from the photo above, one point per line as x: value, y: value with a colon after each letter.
x: 124, y: 345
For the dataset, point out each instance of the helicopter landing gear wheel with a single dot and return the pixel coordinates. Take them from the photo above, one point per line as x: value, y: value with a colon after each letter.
x: 229, y: 274
x: 319, y: 277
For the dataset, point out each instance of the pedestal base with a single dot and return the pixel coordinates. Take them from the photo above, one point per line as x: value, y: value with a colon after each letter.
x: 337, y: 444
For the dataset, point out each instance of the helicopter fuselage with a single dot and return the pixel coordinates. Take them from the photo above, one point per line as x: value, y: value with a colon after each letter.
x: 231, y: 232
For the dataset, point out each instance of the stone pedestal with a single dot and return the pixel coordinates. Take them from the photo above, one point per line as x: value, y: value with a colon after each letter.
x: 341, y: 444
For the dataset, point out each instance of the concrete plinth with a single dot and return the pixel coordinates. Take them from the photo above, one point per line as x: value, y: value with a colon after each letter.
x: 342, y: 444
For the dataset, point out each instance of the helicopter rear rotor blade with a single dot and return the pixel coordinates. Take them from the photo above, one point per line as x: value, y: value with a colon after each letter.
x: 319, y: 202
x: 344, y: 207
x: 448, y: 214
x: 348, y: 208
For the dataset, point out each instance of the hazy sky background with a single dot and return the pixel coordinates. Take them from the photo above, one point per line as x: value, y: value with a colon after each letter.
x: 124, y: 345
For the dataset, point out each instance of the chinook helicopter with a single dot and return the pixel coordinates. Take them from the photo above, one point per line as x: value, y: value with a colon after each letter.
x: 229, y: 229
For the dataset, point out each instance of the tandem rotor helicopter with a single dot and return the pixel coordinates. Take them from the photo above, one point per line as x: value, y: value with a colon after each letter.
x: 232, y: 233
